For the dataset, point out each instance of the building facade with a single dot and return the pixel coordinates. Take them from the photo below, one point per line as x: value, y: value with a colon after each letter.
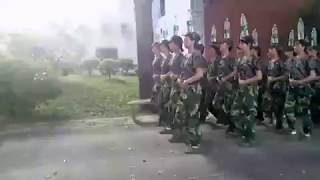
x: 173, y: 16
x: 261, y: 15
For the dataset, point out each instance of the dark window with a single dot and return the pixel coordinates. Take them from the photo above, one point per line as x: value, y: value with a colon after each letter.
x: 163, y: 7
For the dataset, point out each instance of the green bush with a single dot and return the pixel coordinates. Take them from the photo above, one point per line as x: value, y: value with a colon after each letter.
x: 108, y: 67
x: 23, y: 86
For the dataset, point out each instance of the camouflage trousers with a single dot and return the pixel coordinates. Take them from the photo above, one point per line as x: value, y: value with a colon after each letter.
x: 187, y: 113
x: 172, y: 105
x: 244, y: 111
x: 261, y: 92
x: 206, y: 105
x: 315, y: 106
x: 297, y: 107
x: 164, y: 98
x: 273, y: 106
x: 155, y: 93
x: 223, y: 101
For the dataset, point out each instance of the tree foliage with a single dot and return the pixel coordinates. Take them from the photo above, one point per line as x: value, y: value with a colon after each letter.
x: 108, y: 67
x: 126, y: 65
x: 90, y: 65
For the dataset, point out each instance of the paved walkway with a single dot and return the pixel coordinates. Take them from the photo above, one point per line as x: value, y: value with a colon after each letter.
x: 117, y: 149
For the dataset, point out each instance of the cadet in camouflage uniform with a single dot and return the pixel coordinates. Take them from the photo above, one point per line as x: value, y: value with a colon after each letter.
x: 275, y: 94
x: 156, y: 69
x: 188, y: 107
x: 298, y: 97
x: 226, y: 70
x: 263, y: 63
x: 315, y: 99
x: 165, y: 82
x: 244, y: 109
x: 211, y: 88
x: 176, y: 65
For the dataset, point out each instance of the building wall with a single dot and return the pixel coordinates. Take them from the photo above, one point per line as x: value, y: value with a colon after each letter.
x: 260, y: 14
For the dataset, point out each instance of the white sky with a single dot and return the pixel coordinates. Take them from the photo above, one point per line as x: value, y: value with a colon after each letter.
x: 37, y: 15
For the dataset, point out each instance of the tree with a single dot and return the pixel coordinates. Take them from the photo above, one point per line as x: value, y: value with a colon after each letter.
x: 126, y: 65
x: 108, y: 67
x: 90, y: 65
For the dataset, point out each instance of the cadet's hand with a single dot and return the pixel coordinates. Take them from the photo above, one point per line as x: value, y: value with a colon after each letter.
x: 270, y: 79
x: 173, y: 76
x: 163, y: 77
x: 294, y: 82
x: 184, y: 84
x: 242, y: 82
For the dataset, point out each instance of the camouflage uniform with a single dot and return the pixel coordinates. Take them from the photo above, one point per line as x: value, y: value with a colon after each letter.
x: 176, y: 66
x: 275, y: 94
x: 208, y: 91
x: 298, y: 97
x: 223, y: 100
x: 165, y: 91
x: 262, y: 87
x: 156, y: 68
x: 315, y: 99
x: 244, y: 108
x: 190, y: 97
x: 212, y: 76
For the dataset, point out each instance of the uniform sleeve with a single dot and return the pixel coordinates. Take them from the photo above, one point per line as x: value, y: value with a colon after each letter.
x: 258, y: 64
x: 283, y: 67
x: 199, y: 62
x: 211, y: 72
x: 312, y: 65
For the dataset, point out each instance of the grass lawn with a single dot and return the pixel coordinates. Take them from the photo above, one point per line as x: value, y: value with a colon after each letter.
x: 91, y: 97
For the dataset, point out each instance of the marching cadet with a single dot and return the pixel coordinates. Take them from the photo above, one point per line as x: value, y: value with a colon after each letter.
x: 313, y: 52
x: 275, y: 95
x: 176, y: 65
x: 263, y: 63
x: 212, y: 85
x: 226, y: 70
x: 315, y: 99
x: 188, y: 111
x: 298, y: 97
x: 165, y: 82
x: 243, y: 110
x: 209, y: 89
x: 156, y: 69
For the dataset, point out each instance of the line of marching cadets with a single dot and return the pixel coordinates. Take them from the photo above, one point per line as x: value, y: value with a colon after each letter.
x: 239, y: 91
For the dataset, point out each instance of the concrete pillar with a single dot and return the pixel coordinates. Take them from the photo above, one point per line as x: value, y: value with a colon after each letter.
x: 143, y: 14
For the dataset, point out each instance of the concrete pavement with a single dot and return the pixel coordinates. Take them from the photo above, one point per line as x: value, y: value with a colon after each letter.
x: 117, y: 149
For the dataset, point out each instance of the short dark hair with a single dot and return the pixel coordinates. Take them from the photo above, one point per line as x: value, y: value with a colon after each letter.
x: 247, y: 40
x: 229, y: 43
x: 165, y: 43
x: 193, y: 36
x: 155, y: 44
x: 177, y: 40
x: 303, y: 43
